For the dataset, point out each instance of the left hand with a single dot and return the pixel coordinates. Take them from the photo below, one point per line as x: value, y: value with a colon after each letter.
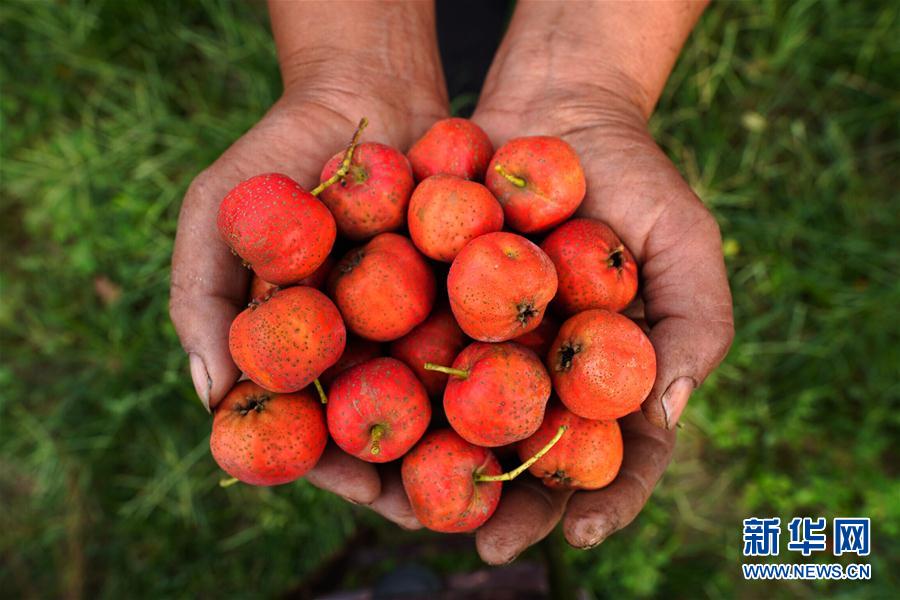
x: 636, y: 190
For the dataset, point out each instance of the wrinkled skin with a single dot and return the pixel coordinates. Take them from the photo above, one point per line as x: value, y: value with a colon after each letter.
x: 602, y: 365
x: 438, y: 477
x: 499, y: 286
x: 552, y: 182
x: 380, y: 395
x: 374, y: 195
x: 587, y: 457
x: 446, y: 212
x: 264, y: 438
x: 437, y: 340
x: 287, y: 340
x: 453, y: 146
x: 383, y: 289
x: 502, y: 400
x: 595, y: 269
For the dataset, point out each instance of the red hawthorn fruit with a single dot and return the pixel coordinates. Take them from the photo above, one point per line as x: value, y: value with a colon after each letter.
x: 594, y: 267
x: 279, y: 229
x: 264, y: 438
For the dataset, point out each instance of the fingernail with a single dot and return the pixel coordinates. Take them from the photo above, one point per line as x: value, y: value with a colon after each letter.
x: 675, y: 399
x: 201, y: 379
x: 591, y: 532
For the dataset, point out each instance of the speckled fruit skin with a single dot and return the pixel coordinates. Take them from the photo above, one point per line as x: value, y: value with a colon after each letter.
x: 587, y: 457
x: 602, y: 365
x: 276, y: 227
x: 499, y: 286
x: 438, y: 340
x: 539, y: 339
x: 453, y: 146
x: 446, y: 212
x: 502, y: 400
x: 358, y: 350
x: 554, y: 182
x: 383, y: 289
x: 263, y: 438
x: 594, y: 267
x: 286, y: 341
x: 381, y: 392
x: 373, y: 197
x: 439, y: 479
x: 259, y: 288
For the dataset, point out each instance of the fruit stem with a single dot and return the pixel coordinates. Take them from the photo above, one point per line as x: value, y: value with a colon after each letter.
x: 448, y: 370
x: 516, y: 181
x: 224, y: 483
x: 376, y: 433
x: 345, y: 164
x: 479, y: 478
x: 321, y: 391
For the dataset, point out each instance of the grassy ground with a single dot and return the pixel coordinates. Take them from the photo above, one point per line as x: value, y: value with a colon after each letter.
x: 784, y: 116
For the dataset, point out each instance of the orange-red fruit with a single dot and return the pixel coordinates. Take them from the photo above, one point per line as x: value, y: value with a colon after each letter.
x: 439, y: 479
x: 287, y: 340
x: 383, y: 289
x: 446, y: 212
x: 264, y: 438
x: 550, y: 182
x: 259, y: 288
x: 276, y: 227
x: 374, y: 195
x: 502, y: 400
x: 377, y: 410
x: 595, y: 268
x: 438, y: 340
x: 587, y: 457
x: 538, y: 340
x: 453, y: 146
x: 358, y: 350
x: 499, y: 286
x: 602, y: 365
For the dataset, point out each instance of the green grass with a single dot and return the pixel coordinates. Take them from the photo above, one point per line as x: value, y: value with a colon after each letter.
x: 784, y: 116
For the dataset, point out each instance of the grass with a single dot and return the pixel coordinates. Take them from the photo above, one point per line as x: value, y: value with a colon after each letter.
x: 785, y: 117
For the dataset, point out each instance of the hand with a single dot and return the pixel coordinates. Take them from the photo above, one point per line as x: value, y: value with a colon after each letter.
x: 327, y: 91
x: 637, y: 191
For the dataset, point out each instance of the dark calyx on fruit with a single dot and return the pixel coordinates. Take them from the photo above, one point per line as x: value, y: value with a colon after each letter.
x: 616, y: 259
x: 567, y: 353
x: 526, y: 312
x: 352, y: 262
x: 561, y: 478
x: 254, y: 403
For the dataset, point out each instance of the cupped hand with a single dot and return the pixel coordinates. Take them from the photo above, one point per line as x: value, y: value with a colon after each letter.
x: 209, y: 286
x: 684, y: 297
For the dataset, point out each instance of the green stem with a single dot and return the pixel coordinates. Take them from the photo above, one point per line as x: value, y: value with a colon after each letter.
x: 448, y: 370
x: 321, y: 391
x: 345, y: 164
x: 376, y: 433
x: 224, y: 483
x: 479, y: 478
x: 516, y: 181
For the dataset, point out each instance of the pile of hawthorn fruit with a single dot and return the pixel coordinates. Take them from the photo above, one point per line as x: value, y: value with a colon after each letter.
x: 488, y: 346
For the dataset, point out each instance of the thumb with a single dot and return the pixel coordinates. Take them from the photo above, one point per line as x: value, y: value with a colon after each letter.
x: 688, y: 304
x: 208, y: 290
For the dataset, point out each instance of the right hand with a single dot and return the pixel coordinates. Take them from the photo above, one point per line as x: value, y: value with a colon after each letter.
x: 312, y: 121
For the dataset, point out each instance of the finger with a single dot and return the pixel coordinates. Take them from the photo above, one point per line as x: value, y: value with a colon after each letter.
x: 528, y: 511
x: 346, y: 476
x: 208, y: 290
x: 687, y: 302
x: 592, y: 516
x: 393, y: 503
